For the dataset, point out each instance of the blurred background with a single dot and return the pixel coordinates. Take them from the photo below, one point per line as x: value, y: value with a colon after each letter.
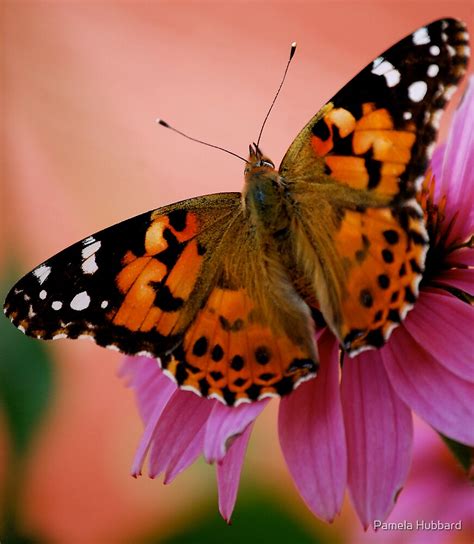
x: 82, y: 84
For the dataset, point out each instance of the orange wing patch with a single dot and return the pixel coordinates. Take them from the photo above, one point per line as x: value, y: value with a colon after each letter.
x: 364, y: 153
x: 157, y: 284
x: 231, y: 354
x: 383, y: 252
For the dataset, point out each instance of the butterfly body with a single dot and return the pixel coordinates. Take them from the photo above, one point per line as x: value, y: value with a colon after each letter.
x: 224, y: 289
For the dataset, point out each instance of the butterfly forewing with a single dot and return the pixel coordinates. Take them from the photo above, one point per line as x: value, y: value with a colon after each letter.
x: 377, y: 132
x: 127, y: 286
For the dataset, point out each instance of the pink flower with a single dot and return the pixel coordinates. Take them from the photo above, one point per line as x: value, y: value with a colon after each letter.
x: 357, y: 431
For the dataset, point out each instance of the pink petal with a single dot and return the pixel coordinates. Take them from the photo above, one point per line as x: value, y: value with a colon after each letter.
x: 184, y: 416
x: 184, y: 458
x: 312, y: 438
x: 165, y: 389
x: 461, y: 278
x: 462, y: 256
x: 228, y: 473
x: 440, y: 397
x: 225, y: 424
x: 145, y: 376
x: 379, y: 431
x: 458, y: 165
x: 442, y: 324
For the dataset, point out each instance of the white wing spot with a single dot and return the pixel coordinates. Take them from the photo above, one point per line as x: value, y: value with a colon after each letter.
x: 407, y: 115
x: 377, y: 61
x: 43, y: 294
x: 435, y: 50
x: 417, y: 91
x: 386, y: 69
x: 436, y: 118
x: 31, y: 313
x: 88, y: 240
x: 56, y: 305
x: 90, y: 249
x: 104, y: 304
x: 42, y: 272
x: 81, y: 301
x: 433, y: 70
x: 393, y: 78
x: 89, y: 266
x: 451, y: 50
x: 421, y: 36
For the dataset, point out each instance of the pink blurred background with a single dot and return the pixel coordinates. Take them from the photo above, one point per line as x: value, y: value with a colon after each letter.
x: 83, y: 84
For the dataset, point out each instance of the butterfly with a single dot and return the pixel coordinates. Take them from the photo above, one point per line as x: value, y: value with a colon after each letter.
x: 225, y: 290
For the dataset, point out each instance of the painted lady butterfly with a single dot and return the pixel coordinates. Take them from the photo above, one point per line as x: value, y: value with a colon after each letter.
x: 223, y: 289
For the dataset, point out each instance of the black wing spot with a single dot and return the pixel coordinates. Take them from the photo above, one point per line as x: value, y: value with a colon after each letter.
x: 164, y: 300
x: 383, y: 281
x: 267, y: 376
x: 366, y: 298
x: 321, y: 130
x: 387, y: 256
x: 216, y: 375
x: 262, y: 355
x: 237, y: 363
x: 391, y: 236
x: 378, y: 316
x: 217, y: 353
x: 239, y: 382
x: 200, y: 347
x: 177, y: 219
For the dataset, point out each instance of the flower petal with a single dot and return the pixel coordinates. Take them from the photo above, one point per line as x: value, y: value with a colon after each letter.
x: 440, y: 397
x: 463, y: 256
x: 379, y: 431
x: 458, y: 165
x: 312, y: 438
x: 461, y: 278
x: 145, y: 376
x: 442, y: 324
x: 228, y: 473
x: 226, y: 423
x: 184, y: 458
x: 184, y: 416
x: 165, y: 389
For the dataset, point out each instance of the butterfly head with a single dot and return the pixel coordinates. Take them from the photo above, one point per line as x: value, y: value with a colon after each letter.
x: 257, y: 163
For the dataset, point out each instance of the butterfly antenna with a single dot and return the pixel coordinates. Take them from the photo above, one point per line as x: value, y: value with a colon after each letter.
x: 292, y: 52
x: 166, y: 125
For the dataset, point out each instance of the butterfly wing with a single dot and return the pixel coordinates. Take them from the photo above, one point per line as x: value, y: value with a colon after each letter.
x: 186, y: 284
x: 125, y: 287
x: 377, y: 132
x: 354, y: 170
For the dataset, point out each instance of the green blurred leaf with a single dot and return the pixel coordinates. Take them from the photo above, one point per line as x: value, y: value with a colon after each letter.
x: 26, y: 380
x: 462, y: 453
x: 26, y: 383
x: 257, y: 518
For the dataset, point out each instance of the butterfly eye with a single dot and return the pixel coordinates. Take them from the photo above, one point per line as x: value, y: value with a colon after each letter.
x: 265, y: 163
